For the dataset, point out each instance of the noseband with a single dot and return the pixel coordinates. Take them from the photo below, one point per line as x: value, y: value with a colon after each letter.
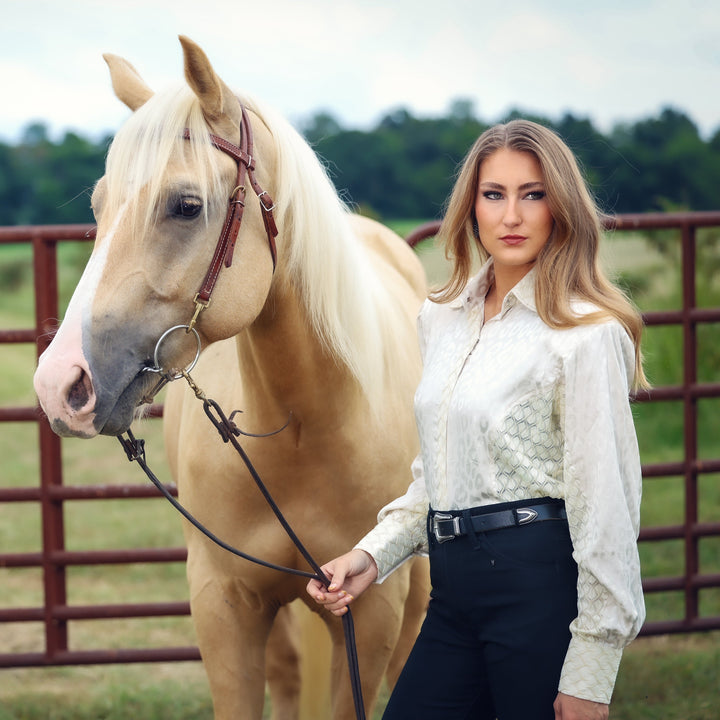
x: 236, y: 204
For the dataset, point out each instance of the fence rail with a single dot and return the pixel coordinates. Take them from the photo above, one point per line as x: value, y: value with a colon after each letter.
x: 51, y: 493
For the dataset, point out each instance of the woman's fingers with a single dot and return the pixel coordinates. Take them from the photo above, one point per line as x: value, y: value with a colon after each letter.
x: 349, y: 575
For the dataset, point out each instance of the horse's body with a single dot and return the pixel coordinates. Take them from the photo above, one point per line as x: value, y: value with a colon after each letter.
x: 326, y: 340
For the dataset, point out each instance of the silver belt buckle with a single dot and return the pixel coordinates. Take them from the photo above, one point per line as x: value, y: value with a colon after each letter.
x: 445, y: 516
x: 525, y: 516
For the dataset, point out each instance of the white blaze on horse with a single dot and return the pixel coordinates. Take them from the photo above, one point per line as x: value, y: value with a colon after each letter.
x: 325, y: 337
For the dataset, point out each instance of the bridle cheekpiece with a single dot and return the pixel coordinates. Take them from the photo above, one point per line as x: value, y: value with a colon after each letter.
x: 225, y: 247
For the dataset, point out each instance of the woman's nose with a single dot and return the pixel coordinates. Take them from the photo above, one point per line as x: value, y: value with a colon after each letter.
x: 512, y: 214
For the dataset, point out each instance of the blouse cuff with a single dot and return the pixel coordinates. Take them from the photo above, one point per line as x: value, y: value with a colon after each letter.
x: 590, y: 670
x: 390, y: 546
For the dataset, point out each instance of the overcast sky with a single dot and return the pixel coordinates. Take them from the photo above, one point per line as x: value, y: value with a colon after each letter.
x: 611, y: 61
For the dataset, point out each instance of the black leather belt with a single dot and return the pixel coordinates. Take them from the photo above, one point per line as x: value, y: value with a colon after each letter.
x: 448, y: 526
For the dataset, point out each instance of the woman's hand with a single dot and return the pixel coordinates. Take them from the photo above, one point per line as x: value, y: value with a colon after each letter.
x: 568, y: 707
x: 350, y: 575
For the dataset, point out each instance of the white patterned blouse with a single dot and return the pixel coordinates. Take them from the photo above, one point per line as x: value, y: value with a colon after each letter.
x: 512, y: 409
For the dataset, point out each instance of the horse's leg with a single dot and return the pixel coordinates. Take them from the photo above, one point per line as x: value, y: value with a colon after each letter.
x: 317, y: 649
x: 232, y: 638
x: 415, y: 609
x: 282, y: 664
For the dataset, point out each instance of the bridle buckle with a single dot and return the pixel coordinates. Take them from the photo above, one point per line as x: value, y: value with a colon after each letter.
x: 262, y: 202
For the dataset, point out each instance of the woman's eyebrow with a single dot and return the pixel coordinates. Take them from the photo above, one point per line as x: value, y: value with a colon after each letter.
x: 489, y: 184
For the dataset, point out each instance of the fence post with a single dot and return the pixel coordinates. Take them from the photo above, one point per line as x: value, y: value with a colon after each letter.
x: 53, y: 533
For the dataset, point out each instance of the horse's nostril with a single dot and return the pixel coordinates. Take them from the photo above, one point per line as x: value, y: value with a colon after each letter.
x: 78, y: 396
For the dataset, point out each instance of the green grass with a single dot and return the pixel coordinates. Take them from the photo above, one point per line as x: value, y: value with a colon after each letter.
x: 176, y: 691
x: 663, y: 678
x: 669, y: 677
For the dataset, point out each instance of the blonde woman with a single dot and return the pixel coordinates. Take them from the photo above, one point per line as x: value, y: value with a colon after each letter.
x: 526, y: 492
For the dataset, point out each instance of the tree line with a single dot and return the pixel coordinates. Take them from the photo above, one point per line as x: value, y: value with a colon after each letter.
x: 404, y: 166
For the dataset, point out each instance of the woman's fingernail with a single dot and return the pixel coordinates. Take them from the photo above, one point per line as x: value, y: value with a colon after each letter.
x: 332, y: 587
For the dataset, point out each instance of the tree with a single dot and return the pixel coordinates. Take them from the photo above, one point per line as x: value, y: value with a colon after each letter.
x: 663, y: 161
x: 320, y: 126
x: 462, y: 110
x: 45, y: 182
x: 405, y: 166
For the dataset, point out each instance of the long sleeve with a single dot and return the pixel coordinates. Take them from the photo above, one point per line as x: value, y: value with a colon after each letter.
x: 602, y: 483
x: 401, y: 529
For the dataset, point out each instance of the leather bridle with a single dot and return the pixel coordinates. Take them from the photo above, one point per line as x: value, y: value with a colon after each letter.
x: 223, y: 255
x: 225, y: 246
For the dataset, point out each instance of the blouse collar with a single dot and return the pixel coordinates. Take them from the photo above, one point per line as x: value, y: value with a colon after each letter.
x: 475, y: 291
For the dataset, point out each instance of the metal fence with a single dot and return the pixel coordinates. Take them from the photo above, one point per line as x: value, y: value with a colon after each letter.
x: 51, y: 494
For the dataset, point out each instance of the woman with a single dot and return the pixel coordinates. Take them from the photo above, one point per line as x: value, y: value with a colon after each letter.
x: 526, y: 491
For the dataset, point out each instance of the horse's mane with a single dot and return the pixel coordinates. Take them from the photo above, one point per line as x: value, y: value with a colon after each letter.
x: 348, y: 307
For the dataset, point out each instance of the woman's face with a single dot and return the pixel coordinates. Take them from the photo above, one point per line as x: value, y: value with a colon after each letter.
x: 512, y: 212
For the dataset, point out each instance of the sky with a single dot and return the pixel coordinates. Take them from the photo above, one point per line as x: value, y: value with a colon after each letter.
x: 612, y: 61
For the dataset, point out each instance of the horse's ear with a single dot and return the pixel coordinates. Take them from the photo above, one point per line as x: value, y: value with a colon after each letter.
x: 216, y: 99
x: 127, y: 83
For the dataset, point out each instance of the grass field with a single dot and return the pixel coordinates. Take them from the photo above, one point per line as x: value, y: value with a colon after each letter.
x: 672, y: 678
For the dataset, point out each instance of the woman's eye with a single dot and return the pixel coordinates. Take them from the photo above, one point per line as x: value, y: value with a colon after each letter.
x: 185, y: 207
x: 536, y: 195
x: 492, y: 195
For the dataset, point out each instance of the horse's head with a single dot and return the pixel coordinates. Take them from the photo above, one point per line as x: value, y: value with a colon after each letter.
x: 160, y: 209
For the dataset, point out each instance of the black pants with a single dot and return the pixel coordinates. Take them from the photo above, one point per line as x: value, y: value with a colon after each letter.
x: 496, y: 632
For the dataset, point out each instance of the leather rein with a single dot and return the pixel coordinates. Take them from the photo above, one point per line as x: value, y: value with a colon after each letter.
x: 228, y: 430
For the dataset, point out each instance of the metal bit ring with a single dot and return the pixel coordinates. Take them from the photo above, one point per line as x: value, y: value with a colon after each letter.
x: 156, y: 356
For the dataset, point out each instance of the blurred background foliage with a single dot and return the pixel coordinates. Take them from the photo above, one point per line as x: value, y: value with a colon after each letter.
x: 404, y: 167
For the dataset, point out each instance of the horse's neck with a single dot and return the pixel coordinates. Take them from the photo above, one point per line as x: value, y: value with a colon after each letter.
x: 285, y: 368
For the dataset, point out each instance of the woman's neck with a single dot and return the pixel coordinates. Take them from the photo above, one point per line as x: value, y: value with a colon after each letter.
x: 504, y: 280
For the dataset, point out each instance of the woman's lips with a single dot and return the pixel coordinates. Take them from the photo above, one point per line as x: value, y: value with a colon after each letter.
x: 513, y: 239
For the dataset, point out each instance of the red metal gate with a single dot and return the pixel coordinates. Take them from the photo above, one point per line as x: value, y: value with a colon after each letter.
x: 51, y: 493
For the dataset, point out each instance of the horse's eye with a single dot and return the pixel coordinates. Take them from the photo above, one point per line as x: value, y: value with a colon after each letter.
x: 186, y: 207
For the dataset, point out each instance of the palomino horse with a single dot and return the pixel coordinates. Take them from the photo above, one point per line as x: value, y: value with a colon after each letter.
x: 317, y: 333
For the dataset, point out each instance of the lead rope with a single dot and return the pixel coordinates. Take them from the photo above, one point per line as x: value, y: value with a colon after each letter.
x: 228, y: 431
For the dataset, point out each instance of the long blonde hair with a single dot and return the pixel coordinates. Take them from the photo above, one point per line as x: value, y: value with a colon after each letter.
x: 568, y: 266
